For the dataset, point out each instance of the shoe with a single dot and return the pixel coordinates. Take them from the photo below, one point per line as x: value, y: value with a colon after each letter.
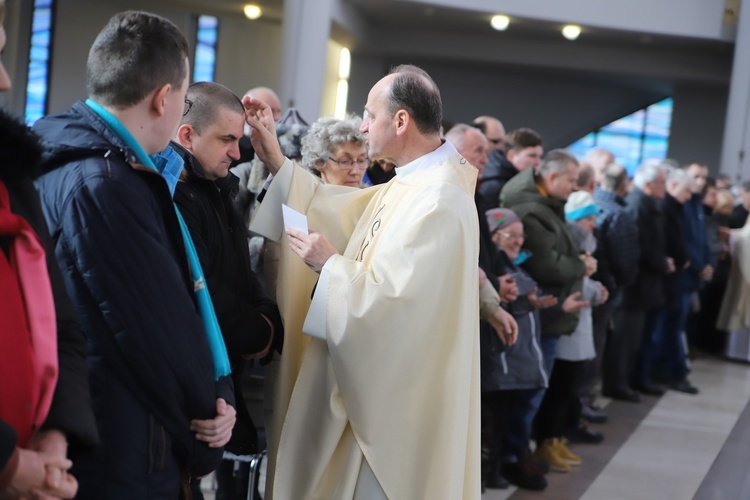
x: 622, y: 395
x: 540, y: 463
x: 497, y: 481
x: 649, y: 389
x: 564, y: 453
x: 684, y: 386
x: 547, y: 450
x: 582, y: 434
x: 525, y: 474
x: 593, y: 414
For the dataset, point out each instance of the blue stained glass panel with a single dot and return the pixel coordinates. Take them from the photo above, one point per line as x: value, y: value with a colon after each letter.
x: 39, y: 61
x: 582, y: 145
x: 631, y: 124
x: 633, y: 138
x: 659, y: 119
x: 205, y: 49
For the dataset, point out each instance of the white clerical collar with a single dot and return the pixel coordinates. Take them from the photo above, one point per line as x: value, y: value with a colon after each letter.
x: 429, y: 160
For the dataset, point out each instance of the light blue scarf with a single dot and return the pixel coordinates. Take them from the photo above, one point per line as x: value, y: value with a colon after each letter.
x: 170, y: 166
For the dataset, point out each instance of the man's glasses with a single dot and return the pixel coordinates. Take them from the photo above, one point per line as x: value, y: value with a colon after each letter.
x: 188, y: 105
x: 347, y: 163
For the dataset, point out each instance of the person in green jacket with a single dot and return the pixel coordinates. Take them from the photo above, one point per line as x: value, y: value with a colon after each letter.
x: 557, y: 264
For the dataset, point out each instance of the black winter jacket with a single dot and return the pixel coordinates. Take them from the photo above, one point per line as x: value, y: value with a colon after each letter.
x: 647, y: 291
x: 674, y: 232
x: 497, y: 173
x: 118, y: 242
x: 239, y: 300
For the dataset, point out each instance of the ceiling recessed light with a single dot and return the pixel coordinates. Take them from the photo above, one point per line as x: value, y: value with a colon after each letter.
x: 500, y: 23
x: 252, y: 11
x: 571, y: 31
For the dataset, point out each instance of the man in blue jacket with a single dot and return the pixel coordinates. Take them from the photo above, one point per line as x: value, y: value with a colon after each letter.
x: 156, y: 368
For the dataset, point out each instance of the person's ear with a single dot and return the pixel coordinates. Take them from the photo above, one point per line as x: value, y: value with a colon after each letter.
x: 159, y: 99
x: 402, y: 120
x: 185, y: 136
x: 510, y: 154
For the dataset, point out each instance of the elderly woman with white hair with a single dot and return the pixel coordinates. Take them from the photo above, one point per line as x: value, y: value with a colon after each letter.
x: 336, y: 150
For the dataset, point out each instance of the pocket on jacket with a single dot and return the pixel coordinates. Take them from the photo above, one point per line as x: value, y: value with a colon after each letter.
x: 157, y: 448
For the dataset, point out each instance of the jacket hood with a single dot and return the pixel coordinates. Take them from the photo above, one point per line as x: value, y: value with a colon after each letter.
x: 498, y: 167
x: 522, y: 189
x: 20, y: 150
x: 76, y: 134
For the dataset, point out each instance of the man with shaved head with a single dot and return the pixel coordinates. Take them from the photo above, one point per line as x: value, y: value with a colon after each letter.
x: 268, y: 96
x: 374, y: 412
x: 490, y: 181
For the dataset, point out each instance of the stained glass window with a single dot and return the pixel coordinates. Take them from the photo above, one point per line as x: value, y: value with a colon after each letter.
x: 205, y: 49
x: 39, y: 61
x: 633, y: 138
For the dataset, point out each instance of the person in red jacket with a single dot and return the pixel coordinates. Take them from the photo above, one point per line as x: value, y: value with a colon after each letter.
x: 44, y: 392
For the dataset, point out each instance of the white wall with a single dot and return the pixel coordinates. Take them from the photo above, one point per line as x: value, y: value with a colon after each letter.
x: 77, y: 24
x: 248, y: 54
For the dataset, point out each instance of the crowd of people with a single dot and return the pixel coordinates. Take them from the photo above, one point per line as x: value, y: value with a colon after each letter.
x: 442, y: 327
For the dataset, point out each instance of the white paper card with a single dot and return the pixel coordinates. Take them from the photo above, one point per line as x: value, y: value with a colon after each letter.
x: 294, y: 219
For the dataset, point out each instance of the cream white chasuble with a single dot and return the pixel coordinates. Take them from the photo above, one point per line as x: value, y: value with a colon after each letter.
x: 387, y: 406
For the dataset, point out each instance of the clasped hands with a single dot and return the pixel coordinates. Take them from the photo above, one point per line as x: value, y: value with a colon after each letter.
x: 42, y: 470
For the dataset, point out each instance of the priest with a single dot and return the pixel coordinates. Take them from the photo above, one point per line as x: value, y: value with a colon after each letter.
x: 379, y: 395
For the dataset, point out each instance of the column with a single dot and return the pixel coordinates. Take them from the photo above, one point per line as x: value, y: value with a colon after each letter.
x: 306, y: 27
x: 735, y: 155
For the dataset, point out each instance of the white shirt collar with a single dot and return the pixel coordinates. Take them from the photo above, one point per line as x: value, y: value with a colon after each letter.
x: 427, y: 161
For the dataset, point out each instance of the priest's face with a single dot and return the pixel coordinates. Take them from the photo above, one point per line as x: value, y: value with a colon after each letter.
x: 378, y: 122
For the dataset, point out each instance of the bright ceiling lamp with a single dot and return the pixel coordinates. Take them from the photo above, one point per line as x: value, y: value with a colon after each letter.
x: 571, y: 31
x: 252, y: 11
x: 500, y: 23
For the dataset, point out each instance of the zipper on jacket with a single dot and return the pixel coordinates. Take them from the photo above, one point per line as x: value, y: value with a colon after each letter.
x: 538, y: 349
x: 505, y: 363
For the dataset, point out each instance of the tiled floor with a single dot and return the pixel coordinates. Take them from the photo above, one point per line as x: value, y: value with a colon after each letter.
x: 674, y: 447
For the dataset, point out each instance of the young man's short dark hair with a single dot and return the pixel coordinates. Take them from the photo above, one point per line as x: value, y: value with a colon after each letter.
x: 136, y: 53
x: 522, y: 138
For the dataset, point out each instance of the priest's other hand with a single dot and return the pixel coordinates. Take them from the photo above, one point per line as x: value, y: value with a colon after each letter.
x: 312, y: 248
x: 259, y: 117
x: 216, y: 431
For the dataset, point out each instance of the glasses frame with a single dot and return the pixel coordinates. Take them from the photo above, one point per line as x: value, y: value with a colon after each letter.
x: 188, y: 106
x: 363, y: 166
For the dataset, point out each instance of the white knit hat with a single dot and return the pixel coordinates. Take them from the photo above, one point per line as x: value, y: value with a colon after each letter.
x: 580, y: 204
